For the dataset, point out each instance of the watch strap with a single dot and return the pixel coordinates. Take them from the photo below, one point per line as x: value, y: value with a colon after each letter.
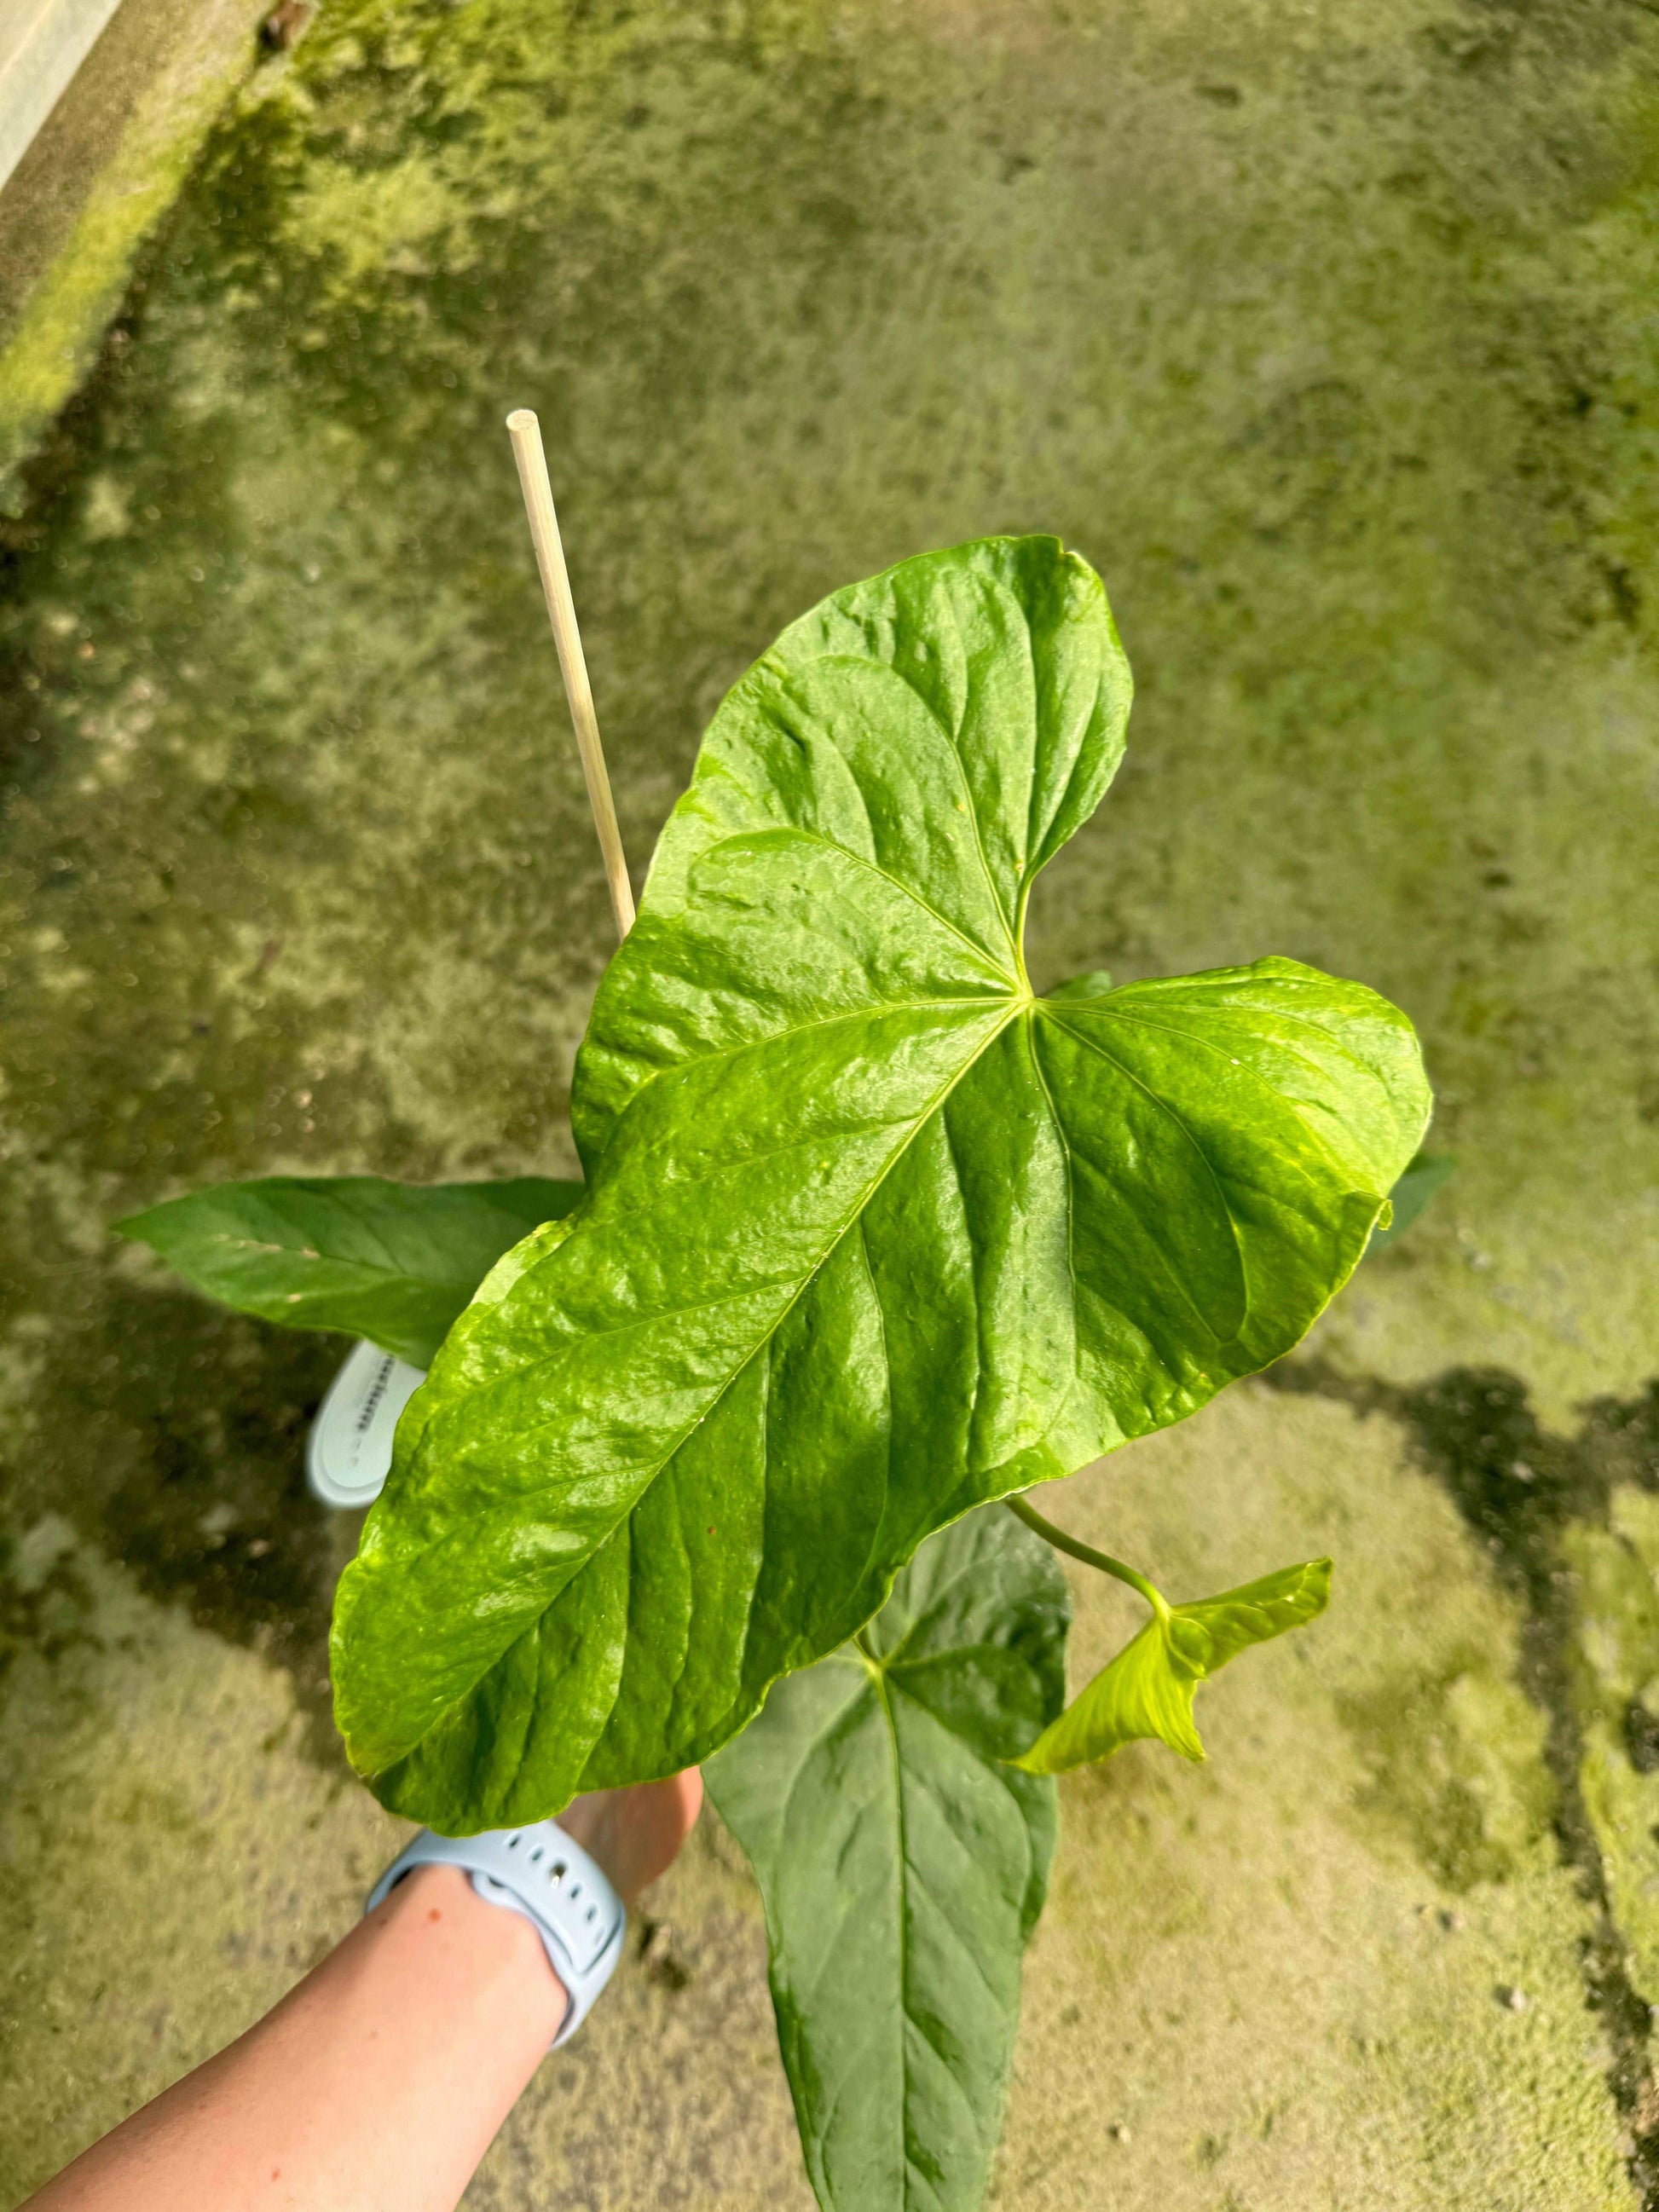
x: 541, y: 1873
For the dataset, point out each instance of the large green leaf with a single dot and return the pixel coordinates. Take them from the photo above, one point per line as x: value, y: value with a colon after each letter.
x: 393, y: 1261
x: 873, y: 1234
x: 903, y: 1865
x: 1148, y: 1689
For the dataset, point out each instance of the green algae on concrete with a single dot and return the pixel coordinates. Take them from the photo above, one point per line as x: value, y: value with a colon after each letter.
x: 1328, y: 338
x: 107, y: 164
x: 1613, y: 1566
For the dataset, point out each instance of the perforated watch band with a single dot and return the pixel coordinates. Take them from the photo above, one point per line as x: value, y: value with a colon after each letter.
x: 540, y: 1872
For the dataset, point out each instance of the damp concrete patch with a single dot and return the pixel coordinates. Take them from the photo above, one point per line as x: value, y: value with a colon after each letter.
x: 1329, y: 341
x: 106, y: 162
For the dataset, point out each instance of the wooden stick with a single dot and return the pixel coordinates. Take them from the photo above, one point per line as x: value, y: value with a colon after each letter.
x: 525, y: 433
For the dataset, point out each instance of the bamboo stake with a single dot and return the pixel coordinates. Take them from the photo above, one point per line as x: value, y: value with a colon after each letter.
x: 525, y: 433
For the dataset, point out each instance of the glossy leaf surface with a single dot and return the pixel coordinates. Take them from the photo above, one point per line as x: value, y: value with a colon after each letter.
x: 1148, y: 1689
x: 395, y: 1262
x: 872, y: 1235
x: 903, y: 1865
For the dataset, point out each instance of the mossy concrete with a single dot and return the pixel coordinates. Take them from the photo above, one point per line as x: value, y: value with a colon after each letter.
x: 1328, y: 335
x: 106, y: 164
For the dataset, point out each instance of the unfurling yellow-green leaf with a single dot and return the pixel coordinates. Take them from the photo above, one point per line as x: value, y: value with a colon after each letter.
x: 1147, y: 1690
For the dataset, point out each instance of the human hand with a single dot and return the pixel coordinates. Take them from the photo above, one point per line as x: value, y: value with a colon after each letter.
x: 635, y: 1833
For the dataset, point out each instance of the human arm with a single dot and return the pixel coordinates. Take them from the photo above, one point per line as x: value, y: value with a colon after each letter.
x: 378, y: 2083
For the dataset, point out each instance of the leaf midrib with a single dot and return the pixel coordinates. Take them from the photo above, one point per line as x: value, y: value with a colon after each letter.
x: 388, y: 1266
x: 935, y: 1601
x: 883, y: 1687
x: 864, y: 861
x: 1102, y: 1009
x: 1066, y: 1016
x: 1018, y: 1006
x: 902, y: 1917
x: 374, y: 1269
x: 1020, y: 1002
x: 874, y: 1012
x: 1013, y: 924
x: 1173, y: 1114
x: 730, y: 1298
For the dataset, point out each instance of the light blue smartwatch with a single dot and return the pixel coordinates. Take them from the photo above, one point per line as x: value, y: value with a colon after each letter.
x: 540, y: 1872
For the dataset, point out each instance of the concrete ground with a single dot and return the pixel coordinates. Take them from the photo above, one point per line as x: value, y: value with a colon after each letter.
x: 106, y: 164
x: 1327, y: 332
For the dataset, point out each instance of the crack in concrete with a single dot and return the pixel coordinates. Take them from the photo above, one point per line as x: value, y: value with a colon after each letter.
x: 1519, y: 1488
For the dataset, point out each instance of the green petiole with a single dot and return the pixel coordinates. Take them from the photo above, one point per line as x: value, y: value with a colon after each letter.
x: 1090, y: 1557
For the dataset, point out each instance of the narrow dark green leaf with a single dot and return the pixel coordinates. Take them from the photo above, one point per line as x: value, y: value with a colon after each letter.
x: 1421, y: 1180
x: 1148, y: 1689
x: 903, y: 1864
x: 872, y: 1235
x: 395, y: 1262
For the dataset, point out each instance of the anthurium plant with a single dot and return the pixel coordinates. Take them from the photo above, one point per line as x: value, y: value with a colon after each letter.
x: 716, y: 1455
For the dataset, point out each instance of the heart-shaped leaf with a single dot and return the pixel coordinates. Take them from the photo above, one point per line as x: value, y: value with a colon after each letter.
x: 873, y: 1234
x: 903, y: 1864
x: 1148, y: 1689
x: 395, y: 1262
